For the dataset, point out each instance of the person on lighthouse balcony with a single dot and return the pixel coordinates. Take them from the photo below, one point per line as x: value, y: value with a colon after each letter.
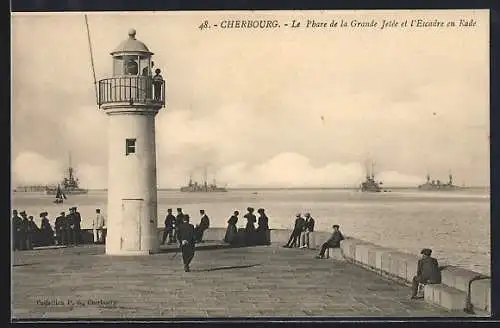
x: 157, y: 82
x: 187, y: 241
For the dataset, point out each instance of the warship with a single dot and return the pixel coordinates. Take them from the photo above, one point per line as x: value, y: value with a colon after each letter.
x: 437, y: 185
x: 370, y: 184
x: 202, y: 187
x: 68, y: 186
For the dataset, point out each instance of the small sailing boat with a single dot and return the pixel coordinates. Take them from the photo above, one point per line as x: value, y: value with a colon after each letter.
x: 60, y: 195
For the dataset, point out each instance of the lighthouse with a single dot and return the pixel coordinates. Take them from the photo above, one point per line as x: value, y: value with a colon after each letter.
x: 131, y: 98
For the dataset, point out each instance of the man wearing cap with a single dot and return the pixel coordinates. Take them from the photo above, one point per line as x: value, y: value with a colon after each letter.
x: 428, y: 272
x: 61, y: 229
x: 297, y: 230
x: 24, y: 231
x: 308, y: 228
x: 70, y: 225
x: 204, y: 224
x: 332, y: 242
x: 186, y: 237
x: 46, y: 230
x: 77, y: 221
x: 168, y: 231
x: 98, y: 226
x: 17, y: 230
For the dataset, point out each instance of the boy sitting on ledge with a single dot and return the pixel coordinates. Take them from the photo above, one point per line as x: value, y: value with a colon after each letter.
x: 332, y: 242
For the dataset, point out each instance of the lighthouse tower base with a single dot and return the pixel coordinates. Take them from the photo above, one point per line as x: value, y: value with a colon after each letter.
x: 132, y: 190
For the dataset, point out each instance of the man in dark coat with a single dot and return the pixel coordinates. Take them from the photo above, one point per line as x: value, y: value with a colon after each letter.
x: 297, y: 230
x: 332, y: 242
x: 25, y: 242
x: 70, y: 227
x: 168, y: 232
x: 428, y: 272
x: 179, y: 219
x: 77, y: 221
x: 204, y: 225
x: 186, y: 237
x: 308, y: 228
x: 61, y: 229
x: 17, y: 230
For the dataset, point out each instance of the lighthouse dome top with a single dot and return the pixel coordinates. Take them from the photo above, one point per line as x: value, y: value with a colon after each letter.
x: 132, y: 45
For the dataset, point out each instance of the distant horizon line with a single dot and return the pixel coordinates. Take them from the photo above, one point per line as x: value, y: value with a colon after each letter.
x: 304, y: 188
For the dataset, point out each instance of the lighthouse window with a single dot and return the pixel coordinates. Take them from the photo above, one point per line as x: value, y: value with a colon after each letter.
x: 129, y: 146
x: 131, y: 66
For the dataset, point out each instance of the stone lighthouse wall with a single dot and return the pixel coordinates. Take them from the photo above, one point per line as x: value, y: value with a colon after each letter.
x: 132, y: 193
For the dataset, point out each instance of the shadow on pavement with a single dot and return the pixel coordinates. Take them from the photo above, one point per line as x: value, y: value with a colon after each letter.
x: 227, y: 268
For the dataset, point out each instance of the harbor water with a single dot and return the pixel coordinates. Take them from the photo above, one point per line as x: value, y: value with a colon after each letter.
x: 455, y: 225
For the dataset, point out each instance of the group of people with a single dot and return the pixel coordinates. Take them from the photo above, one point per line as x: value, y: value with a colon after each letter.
x: 179, y: 230
x: 250, y: 234
x: 66, y: 231
x: 301, y: 231
x: 26, y: 233
x: 304, y: 227
x: 173, y: 223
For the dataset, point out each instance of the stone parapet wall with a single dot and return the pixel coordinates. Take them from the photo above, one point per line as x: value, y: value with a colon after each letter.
x: 451, y: 293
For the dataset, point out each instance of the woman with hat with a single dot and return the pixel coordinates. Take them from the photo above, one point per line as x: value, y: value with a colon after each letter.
x: 47, y: 234
x: 263, y: 227
x: 250, y: 227
x: 231, y: 230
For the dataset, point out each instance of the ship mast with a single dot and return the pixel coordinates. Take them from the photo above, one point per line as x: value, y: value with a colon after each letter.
x: 70, y: 168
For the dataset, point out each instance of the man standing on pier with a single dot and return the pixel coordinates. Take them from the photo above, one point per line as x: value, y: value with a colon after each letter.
x: 168, y: 232
x: 333, y: 242
x: 17, y: 230
x: 24, y: 231
x: 61, y: 229
x: 186, y: 237
x: 204, y: 224
x: 179, y: 219
x: 428, y: 272
x: 297, y: 230
x: 308, y: 228
x: 70, y: 227
x: 97, y: 226
x: 77, y: 219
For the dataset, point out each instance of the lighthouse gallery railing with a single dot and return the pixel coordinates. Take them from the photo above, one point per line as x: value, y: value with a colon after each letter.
x: 138, y: 89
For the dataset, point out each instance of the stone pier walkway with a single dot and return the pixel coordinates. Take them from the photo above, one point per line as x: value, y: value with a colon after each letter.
x: 82, y: 282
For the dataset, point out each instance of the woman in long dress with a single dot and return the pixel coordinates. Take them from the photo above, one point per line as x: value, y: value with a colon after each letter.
x: 231, y: 230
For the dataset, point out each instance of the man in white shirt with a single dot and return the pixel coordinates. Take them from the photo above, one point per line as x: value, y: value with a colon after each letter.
x: 98, y: 226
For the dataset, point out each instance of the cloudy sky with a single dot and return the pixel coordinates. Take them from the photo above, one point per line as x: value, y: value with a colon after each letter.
x: 276, y: 107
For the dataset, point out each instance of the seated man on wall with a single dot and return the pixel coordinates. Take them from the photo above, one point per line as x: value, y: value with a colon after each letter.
x: 332, y: 242
x: 428, y: 272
